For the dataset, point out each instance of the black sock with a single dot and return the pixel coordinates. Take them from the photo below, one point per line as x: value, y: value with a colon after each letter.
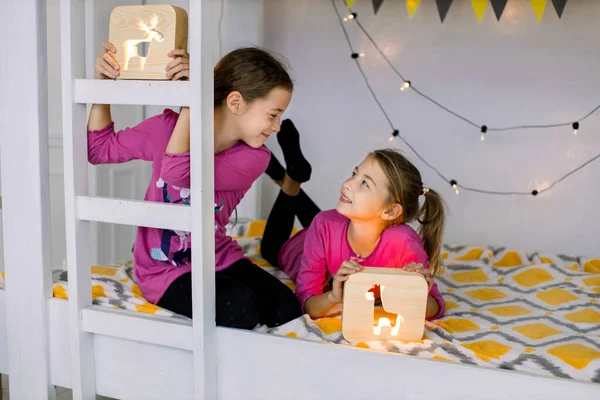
x: 297, y: 167
x: 275, y: 170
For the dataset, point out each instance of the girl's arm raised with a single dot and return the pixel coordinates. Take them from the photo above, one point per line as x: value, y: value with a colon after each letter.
x: 106, y: 68
x: 100, y: 117
x: 105, y: 146
x: 180, y: 139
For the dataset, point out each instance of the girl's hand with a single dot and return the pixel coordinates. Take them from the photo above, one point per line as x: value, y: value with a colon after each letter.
x: 179, y: 68
x: 346, y: 269
x: 106, y: 66
x: 419, y: 269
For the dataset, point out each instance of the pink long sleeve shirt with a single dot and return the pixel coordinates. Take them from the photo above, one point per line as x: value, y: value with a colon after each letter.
x: 312, y: 256
x: 162, y: 255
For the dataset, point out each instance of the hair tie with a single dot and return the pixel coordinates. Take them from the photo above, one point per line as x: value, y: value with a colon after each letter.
x: 425, y: 190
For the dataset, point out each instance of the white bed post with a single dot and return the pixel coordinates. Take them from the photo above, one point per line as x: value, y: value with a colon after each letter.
x: 201, y: 45
x: 73, y: 53
x: 26, y: 204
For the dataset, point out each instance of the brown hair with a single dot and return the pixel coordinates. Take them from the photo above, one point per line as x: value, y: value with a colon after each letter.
x: 405, y: 186
x: 252, y: 72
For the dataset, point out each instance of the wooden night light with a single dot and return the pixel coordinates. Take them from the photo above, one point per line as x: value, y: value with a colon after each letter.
x: 143, y: 36
x: 404, y: 302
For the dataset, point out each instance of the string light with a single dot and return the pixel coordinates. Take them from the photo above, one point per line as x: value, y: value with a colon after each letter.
x: 483, y: 132
x: 357, y: 55
x: 349, y: 17
x: 575, y: 127
x: 484, y: 129
x: 454, y: 185
x: 438, y: 104
x: 405, y: 85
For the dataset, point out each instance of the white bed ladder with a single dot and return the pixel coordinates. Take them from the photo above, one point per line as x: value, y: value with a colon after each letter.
x: 81, y: 209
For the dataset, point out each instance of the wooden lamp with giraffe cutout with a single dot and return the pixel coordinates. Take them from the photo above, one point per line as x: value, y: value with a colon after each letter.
x: 404, y: 303
x: 143, y: 36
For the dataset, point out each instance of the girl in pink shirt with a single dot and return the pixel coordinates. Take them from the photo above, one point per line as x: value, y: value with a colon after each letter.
x: 368, y: 227
x: 251, y: 91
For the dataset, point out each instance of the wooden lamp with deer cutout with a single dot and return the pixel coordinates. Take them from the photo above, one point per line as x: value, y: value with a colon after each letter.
x: 402, y: 313
x: 143, y: 36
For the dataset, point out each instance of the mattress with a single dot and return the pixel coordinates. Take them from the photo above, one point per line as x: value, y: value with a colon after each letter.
x: 529, y: 312
x: 535, y: 313
x: 113, y: 286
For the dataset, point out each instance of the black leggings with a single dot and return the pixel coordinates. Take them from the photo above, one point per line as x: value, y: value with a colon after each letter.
x: 281, y: 222
x: 246, y: 295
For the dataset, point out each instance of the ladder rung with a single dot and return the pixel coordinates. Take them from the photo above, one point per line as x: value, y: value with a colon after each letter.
x: 152, y: 93
x: 135, y: 326
x: 137, y: 213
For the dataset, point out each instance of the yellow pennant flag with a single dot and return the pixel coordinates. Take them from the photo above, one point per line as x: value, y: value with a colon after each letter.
x: 349, y: 3
x: 479, y: 8
x: 412, y: 6
x: 538, y: 8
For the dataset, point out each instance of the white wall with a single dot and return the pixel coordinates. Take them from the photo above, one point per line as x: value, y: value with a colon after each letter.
x: 514, y: 72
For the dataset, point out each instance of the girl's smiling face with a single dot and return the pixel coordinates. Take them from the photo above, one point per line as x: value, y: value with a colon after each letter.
x: 365, y: 194
x: 256, y: 121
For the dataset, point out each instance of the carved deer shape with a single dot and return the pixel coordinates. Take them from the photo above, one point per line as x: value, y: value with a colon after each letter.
x: 131, y: 47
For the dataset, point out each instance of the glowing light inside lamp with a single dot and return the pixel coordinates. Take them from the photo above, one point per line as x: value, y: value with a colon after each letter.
x: 405, y: 85
x: 131, y: 47
x: 385, y: 323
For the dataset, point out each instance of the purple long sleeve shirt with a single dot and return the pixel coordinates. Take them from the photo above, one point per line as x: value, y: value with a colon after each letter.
x: 162, y: 255
x: 313, y: 255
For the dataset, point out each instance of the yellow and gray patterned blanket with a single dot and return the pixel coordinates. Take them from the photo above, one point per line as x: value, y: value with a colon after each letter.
x: 535, y: 313
x: 113, y: 286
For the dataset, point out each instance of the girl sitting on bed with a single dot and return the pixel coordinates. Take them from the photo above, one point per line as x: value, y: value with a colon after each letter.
x: 368, y: 227
x: 251, y: 91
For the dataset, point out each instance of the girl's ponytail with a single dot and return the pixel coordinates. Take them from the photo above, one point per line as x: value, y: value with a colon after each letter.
x: 432, y: 217
x: 406, y: 186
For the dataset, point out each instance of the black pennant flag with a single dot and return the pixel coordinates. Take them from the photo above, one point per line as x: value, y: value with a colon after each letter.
x: 376, y: 5
x: 443, y: 7
x: 498, y: 6
x: 559, y: 6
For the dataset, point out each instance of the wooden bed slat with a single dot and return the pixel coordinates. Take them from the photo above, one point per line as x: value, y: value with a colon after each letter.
x: 136, y: 213
x: 141, y: 328
x: 151, y: 93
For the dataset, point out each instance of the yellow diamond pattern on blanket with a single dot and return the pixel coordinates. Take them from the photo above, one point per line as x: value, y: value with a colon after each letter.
x: 556, y: 296
x: 509, y: 311
x: 532, y: 277
x: 536, y: 331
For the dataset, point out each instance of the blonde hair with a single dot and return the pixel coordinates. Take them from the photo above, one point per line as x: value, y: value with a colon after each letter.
x: 405, y: 186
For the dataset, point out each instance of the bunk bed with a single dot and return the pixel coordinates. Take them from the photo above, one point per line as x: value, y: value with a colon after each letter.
x: 47, y: 341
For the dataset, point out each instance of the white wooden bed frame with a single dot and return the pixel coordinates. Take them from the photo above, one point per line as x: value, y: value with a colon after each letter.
x: 46, y: 341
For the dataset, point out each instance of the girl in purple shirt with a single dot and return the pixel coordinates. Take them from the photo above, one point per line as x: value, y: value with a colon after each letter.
x: 368, y: 227
x: 251, y: 91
